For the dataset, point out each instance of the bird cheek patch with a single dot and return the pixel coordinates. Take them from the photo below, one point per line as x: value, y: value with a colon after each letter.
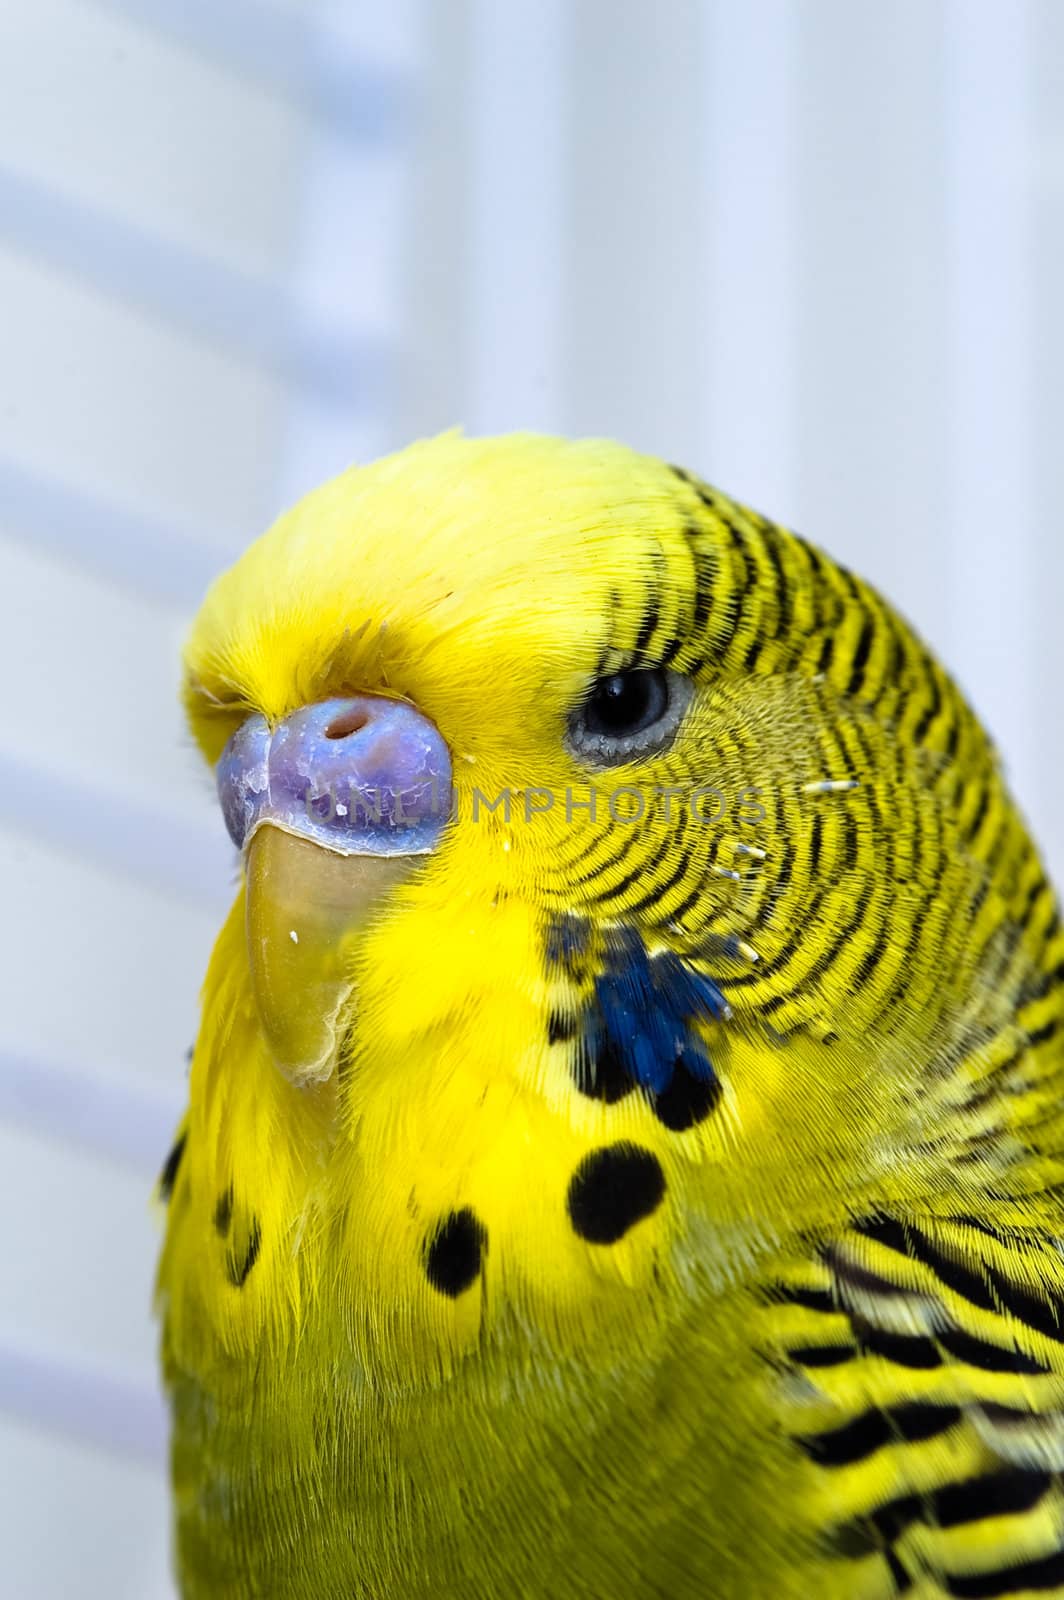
x: 640, y: 1028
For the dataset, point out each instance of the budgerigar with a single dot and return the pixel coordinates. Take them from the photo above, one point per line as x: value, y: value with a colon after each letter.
x: 625, y: 1142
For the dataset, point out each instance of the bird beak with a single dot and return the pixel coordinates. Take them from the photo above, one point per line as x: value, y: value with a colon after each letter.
x: 304, y: 903
x: 333, y: 808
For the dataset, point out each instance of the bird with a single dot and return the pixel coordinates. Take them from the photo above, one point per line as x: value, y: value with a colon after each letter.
x: 624, y: 1152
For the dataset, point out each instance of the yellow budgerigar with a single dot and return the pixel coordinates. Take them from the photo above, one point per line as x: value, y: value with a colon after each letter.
x: 625, y: 1144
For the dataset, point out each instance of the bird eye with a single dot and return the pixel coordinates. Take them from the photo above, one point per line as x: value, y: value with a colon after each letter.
x: 628, y: 714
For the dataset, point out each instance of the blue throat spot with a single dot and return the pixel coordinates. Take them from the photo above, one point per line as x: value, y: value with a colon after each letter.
x: 641, y: 1025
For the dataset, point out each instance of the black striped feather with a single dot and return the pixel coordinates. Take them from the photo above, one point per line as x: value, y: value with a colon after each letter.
x: 932, y: 1402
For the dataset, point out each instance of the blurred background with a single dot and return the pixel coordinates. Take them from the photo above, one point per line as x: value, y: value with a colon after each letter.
x: 813, y: 249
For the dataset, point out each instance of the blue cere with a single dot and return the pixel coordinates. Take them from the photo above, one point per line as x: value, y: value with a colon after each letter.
x: 367, y: 775
x: 645, y: 1005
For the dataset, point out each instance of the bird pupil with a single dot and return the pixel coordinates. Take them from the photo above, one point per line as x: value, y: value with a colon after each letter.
x: 622, y: 700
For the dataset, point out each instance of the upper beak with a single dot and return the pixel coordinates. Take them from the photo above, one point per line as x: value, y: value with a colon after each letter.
x: 332, y: 808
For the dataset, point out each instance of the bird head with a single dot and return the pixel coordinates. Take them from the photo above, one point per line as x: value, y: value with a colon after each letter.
x: 581, y: 806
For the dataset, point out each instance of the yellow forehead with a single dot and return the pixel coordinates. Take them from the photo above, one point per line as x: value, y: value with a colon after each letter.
x: 480, y: 553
